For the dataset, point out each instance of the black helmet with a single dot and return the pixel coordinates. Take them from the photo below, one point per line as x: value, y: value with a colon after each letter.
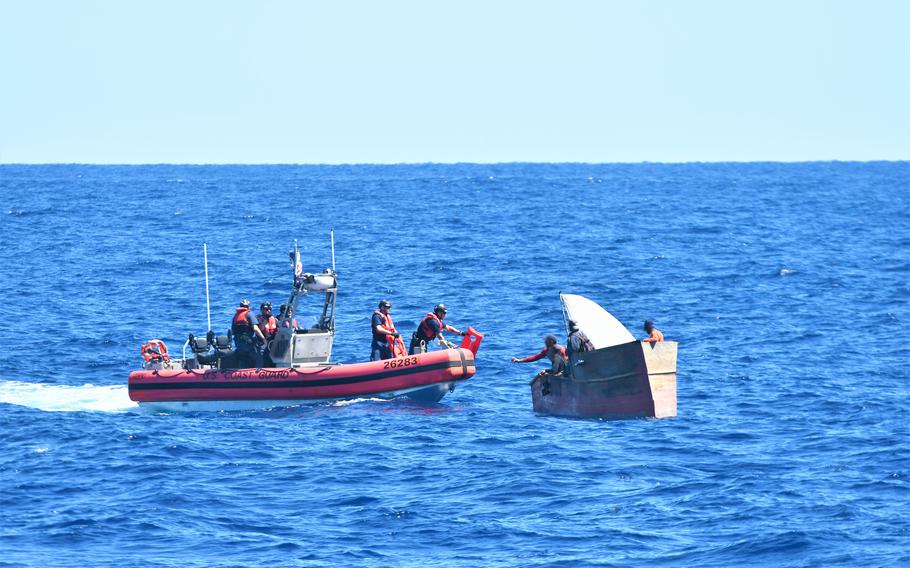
x: 440, y: 308
x: 572, y: 326
x: 244, y: 303
x: 265, y: 305
x: 384, y: 304
x: 649, y: 324
x: 549, y: 339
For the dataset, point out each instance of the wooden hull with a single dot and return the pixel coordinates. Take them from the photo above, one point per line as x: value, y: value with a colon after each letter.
x: 632, y: 380
x: 425, y: 377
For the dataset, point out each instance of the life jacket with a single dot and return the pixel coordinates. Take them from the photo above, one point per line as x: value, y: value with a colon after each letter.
x: 267, y: 326
x: 386, y: 323
x: 240, y: 325
x: 155, y: 350
x: 424, y: 331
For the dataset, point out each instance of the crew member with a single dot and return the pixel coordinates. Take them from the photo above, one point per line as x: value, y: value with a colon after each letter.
x: 245, y: 331
x: 555, y: 352
x: 267, y: 322
x: 431, y: 327
x: 654, y: 334
x: 383, y: 328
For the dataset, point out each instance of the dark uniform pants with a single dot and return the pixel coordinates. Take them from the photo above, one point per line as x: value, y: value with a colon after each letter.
x: 379, y: 350
x: 418, y: 345
x: 249, y: 354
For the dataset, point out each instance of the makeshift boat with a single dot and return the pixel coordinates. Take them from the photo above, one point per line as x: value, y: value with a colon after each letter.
x: 621, y: 378
x: 205, y: 379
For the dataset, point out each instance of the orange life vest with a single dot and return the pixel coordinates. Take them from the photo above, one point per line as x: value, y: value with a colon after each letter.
x: 396, y: 345
x: 386, y: 320
x: 240, y: 324
x: 267, y: 326
x: 424, y: 331
x: 155, y: 350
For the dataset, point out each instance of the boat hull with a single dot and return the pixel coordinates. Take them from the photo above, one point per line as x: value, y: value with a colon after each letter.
x: 632, y: 380
x: 425, y: 377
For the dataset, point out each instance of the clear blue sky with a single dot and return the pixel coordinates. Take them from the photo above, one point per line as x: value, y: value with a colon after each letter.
x: 491, y: 81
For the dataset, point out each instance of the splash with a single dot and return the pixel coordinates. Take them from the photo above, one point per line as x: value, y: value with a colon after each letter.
x: 357, y: 400
x: 63, y: 398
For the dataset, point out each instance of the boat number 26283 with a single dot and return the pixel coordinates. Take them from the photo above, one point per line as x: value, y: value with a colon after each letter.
x: 395, y: 363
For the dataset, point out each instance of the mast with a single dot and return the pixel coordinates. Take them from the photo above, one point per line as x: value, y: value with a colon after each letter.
x: 565, y: 314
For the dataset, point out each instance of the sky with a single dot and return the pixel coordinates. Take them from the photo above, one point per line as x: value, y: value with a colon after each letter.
x: 493, y: 81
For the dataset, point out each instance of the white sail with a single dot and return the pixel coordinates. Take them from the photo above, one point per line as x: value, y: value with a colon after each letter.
x: 599, y: 325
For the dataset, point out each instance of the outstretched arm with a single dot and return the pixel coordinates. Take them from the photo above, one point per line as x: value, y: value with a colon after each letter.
x: 531, y: 358
x: 448, y: 327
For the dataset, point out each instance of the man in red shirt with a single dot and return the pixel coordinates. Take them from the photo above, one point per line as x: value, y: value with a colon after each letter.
x: 555, y: 352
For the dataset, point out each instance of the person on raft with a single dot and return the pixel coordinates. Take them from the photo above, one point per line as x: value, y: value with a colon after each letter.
x: 555, y: 352
x: 246, y: 330
x: 654, y: 334
x: 431, y: 327
x: 382, y: 328
x: 576, y: 344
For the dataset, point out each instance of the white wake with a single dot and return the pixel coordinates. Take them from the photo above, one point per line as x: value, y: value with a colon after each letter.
x: 62, y: 398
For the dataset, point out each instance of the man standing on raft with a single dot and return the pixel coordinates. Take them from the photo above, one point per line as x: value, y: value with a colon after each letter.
x: 431, y: 327
x: 383, y: 329
x: 245, y: 329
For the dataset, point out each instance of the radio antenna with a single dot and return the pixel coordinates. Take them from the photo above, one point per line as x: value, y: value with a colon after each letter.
x: 205, y: 260
x: 332, y: 234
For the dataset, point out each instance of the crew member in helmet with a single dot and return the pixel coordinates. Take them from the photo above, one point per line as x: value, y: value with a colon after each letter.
x: 383, y: 328
x: 553, y: 351
x: 246, y: 330
x: 431, y: 327
x: 267, y: 322
x: 654, y: 334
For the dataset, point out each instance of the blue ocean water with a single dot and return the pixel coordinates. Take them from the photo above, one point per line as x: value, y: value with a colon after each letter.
x: 786, y: 286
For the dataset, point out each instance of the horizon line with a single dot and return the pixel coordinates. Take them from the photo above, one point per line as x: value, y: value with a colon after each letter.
x: 429, y: 163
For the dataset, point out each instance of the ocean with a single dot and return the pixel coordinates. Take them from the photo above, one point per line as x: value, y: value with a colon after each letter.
x: 786, y: 285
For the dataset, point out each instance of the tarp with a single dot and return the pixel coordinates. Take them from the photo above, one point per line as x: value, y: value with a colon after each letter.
x: 599, y: 325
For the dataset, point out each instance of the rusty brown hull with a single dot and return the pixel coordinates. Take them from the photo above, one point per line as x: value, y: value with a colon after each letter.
x: 632, y: 380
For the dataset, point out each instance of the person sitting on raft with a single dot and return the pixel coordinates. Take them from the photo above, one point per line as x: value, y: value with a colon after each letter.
x: 286, y: 317
x: 654, y: 334
x: 382, y: 328
x: 431, y: 327
x: 555, y: 352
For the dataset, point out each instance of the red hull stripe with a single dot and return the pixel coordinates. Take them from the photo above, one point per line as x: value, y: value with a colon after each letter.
x: 284, y: 384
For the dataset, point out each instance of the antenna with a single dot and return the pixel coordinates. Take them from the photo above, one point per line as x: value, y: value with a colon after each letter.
x: 208, y: 307
x: 332, y: 234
